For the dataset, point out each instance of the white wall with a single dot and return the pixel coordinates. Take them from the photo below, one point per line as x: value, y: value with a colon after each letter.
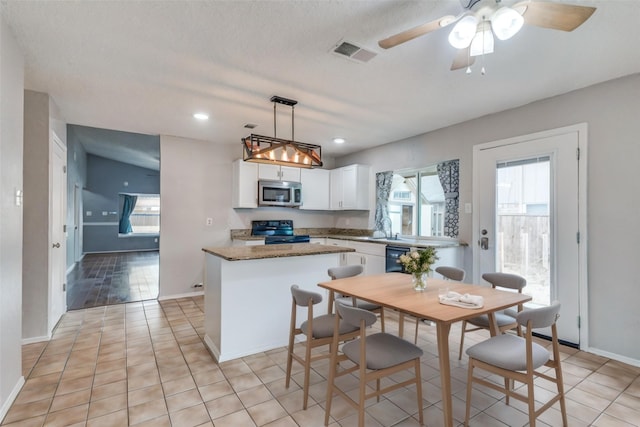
x: 195, y: 184
x: 35, y: 272
x: 11, y: 119
x: 611, y: 110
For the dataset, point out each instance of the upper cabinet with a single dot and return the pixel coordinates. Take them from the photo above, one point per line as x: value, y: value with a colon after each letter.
x: 349, y: 188
x: 278, y: 173
x: 244, y: 185
x: 345, y: 188
x: 315, y: 189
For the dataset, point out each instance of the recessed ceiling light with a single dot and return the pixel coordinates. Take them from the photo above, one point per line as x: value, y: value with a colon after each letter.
x: 338, y: 140
x: 201, y: 116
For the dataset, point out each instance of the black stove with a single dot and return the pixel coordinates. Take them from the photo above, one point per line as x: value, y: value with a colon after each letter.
x: 277, y: 231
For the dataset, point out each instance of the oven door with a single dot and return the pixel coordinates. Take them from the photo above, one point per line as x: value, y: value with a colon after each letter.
x: 392, y: 255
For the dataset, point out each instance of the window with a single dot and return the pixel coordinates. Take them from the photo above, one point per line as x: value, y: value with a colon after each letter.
x: 417, y: 203
x: 139, y: 214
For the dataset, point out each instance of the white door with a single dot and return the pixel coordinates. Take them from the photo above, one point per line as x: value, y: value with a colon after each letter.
x: 57, y: 241
x: 77, y: 197
x: 530, y: 200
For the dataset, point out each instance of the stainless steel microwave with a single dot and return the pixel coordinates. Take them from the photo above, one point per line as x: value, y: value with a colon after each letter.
x: 279, y: 193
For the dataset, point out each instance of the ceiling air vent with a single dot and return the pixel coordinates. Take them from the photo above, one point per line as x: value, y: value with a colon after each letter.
x: 351, y: 51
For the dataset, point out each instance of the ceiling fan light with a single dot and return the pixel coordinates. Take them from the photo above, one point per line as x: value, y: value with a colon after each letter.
x: 463, y: 32
x: 506, y: 22
x: 482, y: 43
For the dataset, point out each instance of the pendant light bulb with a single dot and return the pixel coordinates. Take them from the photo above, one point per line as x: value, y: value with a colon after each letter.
x: 468, y: 70
x: 482, y: 71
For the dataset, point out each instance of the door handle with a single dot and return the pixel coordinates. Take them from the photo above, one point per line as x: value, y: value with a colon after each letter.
x: 56, y: 245
x: 484, y: 243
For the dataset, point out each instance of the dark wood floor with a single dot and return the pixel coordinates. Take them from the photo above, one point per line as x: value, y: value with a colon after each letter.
x: 113, y: 278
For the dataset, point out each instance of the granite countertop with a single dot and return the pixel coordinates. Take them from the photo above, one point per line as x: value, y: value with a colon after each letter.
x: 240, y: 253
x: 358, y: 235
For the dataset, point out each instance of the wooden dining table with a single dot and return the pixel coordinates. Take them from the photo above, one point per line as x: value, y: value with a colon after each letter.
x: 395, y: 291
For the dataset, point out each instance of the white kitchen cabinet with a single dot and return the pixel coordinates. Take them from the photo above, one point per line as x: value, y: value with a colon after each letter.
x: 278, y: 173
x: 349, y: 188
x: 370, y: 255
x: 244, y: 184
x: 315, y: 189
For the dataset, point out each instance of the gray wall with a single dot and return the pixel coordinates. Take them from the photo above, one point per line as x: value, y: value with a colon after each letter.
x: 611, y: 110
x: 105, y: 180
x: 11, y: 154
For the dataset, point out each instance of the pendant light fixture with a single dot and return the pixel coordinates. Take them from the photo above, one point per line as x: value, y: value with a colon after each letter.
x: 273, y: 150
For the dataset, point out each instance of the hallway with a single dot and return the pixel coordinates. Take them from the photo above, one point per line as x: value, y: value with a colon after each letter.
x: 113, y: 278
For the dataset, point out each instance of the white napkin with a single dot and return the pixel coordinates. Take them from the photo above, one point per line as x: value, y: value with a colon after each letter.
x: 460, y: 300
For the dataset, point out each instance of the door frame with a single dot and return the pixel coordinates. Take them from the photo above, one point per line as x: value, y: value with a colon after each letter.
x: 581, y: 129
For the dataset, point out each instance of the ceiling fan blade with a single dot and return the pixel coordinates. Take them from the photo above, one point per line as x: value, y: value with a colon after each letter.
x: 463, y: 59
x: 418, y: 31
x: 556, y: 16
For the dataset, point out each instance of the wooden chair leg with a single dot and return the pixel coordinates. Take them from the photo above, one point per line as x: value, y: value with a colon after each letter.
x: 469, y: 384
x: 382, y: 318
x: 464, y: 326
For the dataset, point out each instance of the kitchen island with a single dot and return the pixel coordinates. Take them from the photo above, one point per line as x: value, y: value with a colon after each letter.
x: 247, y: 293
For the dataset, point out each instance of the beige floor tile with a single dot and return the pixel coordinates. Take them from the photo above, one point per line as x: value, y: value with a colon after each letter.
x: 240, y: 418
x: 19, y: 412
x: 99, y: 408
x: 147, y: 411
x: 223, y: 406
x: 183, y: 400
x: 113, y: 419
x: 146, y: 364
x: 67, y: 417
x: 64, y: 401
x: 178, y: 385
x: 190, y: 416
x: 266, y: 412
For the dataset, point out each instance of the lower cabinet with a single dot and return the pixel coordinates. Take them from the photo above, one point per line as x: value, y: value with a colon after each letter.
x: 370, y: 255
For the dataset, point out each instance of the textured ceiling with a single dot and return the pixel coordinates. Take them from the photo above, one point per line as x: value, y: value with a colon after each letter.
x: 147, y: 66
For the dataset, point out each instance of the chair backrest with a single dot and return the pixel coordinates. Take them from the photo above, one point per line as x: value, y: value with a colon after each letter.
x: 302, y: 297
x: 451, y: 273
x: 540, y: 317
x: 353, y: 315
x: 506, y: 280
x: 345, y: 271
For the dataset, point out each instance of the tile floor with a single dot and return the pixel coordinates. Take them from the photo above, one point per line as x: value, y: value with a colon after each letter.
x: 113, y: 278
x: 145, y: 364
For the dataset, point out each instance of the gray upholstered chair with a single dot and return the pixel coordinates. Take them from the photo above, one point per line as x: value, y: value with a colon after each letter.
x: 317, y: 331
x: 451, y: 273
x: 447, y: 273
x: 506, y: 319
x: 518, y: 359
x: 345, y: 271
x: 372, y: 358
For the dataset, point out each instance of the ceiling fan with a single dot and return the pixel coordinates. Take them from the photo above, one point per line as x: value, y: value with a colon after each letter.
x: 482, y: 20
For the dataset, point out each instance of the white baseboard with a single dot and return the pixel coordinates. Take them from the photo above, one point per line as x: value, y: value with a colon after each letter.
x: 176, y: 296
x: 11, y: 397
x: 35, y: 339
x: 613, y: 356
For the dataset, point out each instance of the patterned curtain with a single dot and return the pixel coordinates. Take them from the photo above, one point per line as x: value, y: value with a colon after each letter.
x: 383, y: 189
x: 449, y: 174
